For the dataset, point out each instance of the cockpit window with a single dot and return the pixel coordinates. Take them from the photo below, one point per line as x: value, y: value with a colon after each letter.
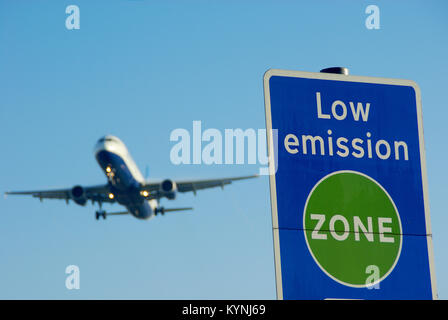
x: 105, y: 139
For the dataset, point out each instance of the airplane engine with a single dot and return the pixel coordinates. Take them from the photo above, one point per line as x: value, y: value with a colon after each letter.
x: 79, y: 195
x: 168, y: 189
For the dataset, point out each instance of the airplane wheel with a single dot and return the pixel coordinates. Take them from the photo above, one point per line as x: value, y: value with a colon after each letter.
x: 99, y: 214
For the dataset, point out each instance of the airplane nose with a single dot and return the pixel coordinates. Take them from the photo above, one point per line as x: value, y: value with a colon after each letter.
x: 101, y: 145
x: 111, y: 144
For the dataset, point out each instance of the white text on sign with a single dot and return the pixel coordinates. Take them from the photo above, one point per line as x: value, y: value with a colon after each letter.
x: 343, y: 147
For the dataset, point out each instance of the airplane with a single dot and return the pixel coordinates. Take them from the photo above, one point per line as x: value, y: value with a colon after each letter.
x: 126, y: 185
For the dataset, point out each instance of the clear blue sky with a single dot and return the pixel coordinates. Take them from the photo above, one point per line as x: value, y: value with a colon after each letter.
x: 140, y: 69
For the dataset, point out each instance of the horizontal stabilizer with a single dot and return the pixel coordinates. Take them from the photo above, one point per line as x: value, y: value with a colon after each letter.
x: 117, y: 213
x: 176, y: 209
x: 105, y: 214
x: 162, y: 210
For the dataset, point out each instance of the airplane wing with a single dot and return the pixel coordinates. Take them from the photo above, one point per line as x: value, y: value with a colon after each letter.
x: 93, y: 193
x: 194, y: 185
x: 191, y: 185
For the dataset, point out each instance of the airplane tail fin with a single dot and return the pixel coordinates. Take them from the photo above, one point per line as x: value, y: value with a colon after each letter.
x: 146, y: 172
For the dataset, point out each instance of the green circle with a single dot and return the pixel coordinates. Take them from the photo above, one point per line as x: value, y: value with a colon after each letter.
x: 352, y: 228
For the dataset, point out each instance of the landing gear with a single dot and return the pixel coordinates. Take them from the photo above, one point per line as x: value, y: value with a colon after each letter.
x: 160, y: 210
x: 99, y: 214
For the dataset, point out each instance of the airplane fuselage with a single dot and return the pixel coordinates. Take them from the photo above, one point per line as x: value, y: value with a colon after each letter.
x: 123, y: 176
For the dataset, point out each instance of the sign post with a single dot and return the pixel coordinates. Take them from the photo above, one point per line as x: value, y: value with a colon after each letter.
x: 349, y: 196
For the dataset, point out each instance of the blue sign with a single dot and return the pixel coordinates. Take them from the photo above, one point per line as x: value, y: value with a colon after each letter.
x: 349, y: 197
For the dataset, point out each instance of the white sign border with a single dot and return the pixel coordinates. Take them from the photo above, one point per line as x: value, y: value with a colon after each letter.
x: 349, y: 78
